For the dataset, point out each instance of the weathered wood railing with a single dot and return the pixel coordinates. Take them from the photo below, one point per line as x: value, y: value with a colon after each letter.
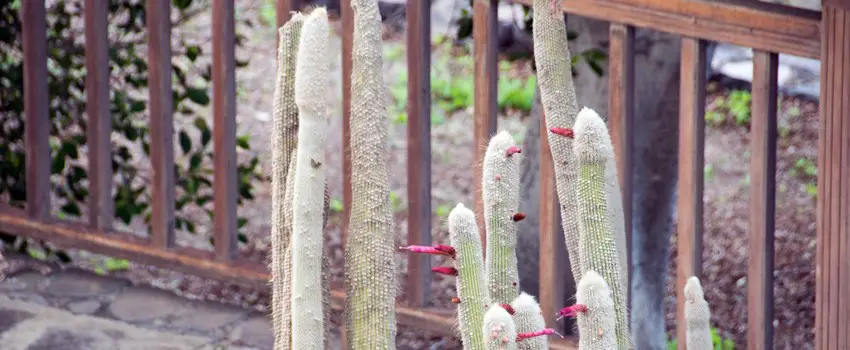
x: 767, y: 28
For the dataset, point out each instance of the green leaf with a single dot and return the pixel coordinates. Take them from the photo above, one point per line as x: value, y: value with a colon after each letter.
x: 192, y: 52
x: 185, y: 142
x: 71, y: 208
x: 195, y: 161
x: 244, y: 141
x: 113, y: 264
x: 199, y: 96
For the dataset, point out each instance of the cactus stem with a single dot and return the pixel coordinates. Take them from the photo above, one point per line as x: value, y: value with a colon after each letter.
x: 455, y: 300
x: 508, y: 308
x: 545, y: 331
x: 512, y: 150
x: 565, y: 132
x: 445, y: 270
x: 571, y: 311
x: 518, y: 217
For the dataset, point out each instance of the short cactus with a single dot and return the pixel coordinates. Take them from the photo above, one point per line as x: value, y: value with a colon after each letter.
x: 597, y: 249
x: 311, y: 81
x: 596, y: 321
x: 369, y: 265
x: 697, y: 317
x: 498, y: 329
x: 474, y: 297
x: 501, y: 202
x: 529, y: 319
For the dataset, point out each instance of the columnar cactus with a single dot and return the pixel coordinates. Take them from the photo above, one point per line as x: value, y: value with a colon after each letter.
x: 498, y: 329
x: 697, y: 317
x: 529, y: 319
x: 284, y: 132
x: 474, y: 297
x: 596, y: 321
x: 501, y: 201
x: 597, y: 247
x: 557, y: 93
x: 311, y: 81
x: 369, y: 264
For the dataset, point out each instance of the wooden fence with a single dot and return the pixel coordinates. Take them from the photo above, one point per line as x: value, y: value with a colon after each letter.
x: 766, y: 28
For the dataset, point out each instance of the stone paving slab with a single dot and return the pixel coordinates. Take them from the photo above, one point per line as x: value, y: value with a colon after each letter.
x: 73, y: 309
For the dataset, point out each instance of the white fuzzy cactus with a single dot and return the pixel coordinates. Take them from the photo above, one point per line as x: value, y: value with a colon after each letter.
x: 697, y: 317
x: 597, y: 322
x: 528, y: 318
x: 311, y: 82
x: 499, y: 329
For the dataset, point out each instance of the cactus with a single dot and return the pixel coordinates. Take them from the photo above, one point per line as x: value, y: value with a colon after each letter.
x: 499, y: 330
x: 554, y: 75
x: 529, y: 319
x: 697, y: 317
x: 369, y: 265
x: 596, y: 321
x: 474, y: 297
x: 500, y: 182
x: 284, y: 132
x: 597, y: 248
x: 311, y: 82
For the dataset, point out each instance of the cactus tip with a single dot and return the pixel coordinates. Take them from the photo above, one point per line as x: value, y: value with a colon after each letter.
x: 693, y: 289
x: 445, y: 270
x: 566, y: 132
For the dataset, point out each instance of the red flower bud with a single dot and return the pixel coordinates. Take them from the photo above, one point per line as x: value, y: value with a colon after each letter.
x: 445, y: 270
x: 512, y: 150
x: 545, y: 331
x: 446, y: 250
x: 456, y: 300
x: 508, y: 308
x: 566, y: 132
x: 571, y: 311
x: 518, y: 217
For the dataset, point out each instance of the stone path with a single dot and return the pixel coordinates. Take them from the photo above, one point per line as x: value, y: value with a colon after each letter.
x: 78, y: 310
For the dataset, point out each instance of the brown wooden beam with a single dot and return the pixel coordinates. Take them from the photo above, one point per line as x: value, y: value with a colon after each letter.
x: 832, y: 304
x: 781, y: 29
x: 484, y: 21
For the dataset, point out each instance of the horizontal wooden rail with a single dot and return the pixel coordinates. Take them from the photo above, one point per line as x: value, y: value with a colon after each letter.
x: 190, y: 260
x: 791, y: 31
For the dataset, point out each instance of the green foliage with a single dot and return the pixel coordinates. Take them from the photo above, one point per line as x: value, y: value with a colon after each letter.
x: 736, y: 105
x: 720, y: 343
x: 128, y: 97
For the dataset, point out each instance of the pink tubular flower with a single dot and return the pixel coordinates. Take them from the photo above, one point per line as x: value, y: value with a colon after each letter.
x: 445, y: 270
x: 571, y: 311
x: 566, y: 132
x: 435, y: 250
x: 544, y: 331
x: 513, y: 150
x: 507, y: 308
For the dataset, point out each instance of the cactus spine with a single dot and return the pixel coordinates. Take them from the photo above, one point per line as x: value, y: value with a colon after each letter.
x: 474, y: 298
x: 307, y: 239
x: 597, y: 323
x: 501, y: 200
x: 369, y: 269
x: 697, y: 317
x: 499, y: 329
x: 598, y: 250
x: 529, y: 318
x: 554, y: 74
x: 285, y: 129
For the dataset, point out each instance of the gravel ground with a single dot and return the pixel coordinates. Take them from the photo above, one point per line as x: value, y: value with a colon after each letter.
x: 726, y: 197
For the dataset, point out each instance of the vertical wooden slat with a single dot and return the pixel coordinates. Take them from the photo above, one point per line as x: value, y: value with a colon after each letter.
x: 224, y: 128
x: 621, y: 82
x: 691, y: 160
x: 161, y: 105
x: 762, y: 201
x: 101, y: 211
x: 36, y: 103
x: 347, y: 51
x: 484, y: 22
x: 551, y: 254
x: 419, y: 148
x: 833, y: 265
